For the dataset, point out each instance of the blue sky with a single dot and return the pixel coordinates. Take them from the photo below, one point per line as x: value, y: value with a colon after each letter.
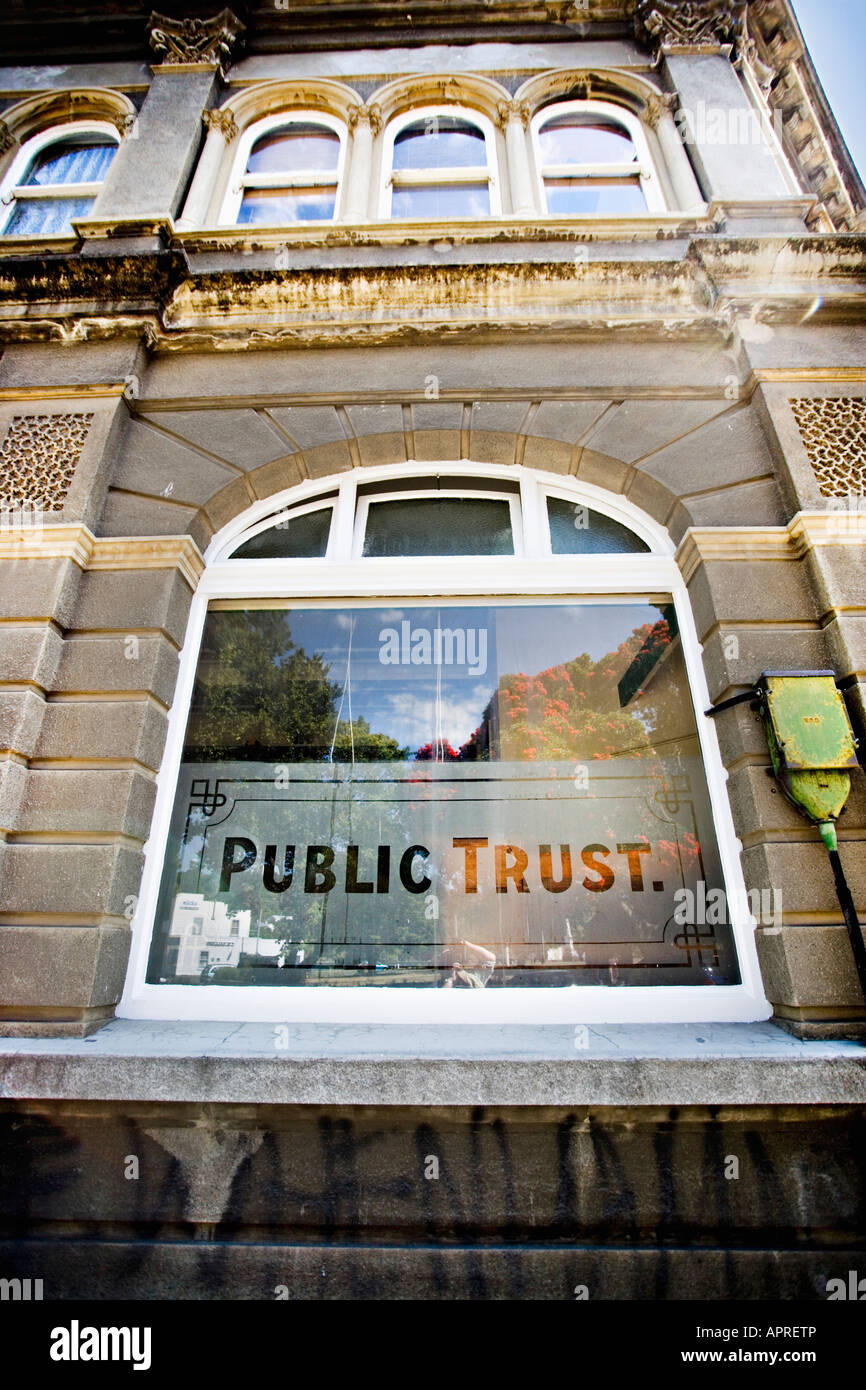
x: 835, y: 31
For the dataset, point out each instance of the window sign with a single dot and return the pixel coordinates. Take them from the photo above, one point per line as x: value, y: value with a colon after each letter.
x: 458, y: 795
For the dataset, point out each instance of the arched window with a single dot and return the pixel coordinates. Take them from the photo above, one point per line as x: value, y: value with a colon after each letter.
x: 593, y: 159
x: 288, y: 169
x: 55, y: 178
x: 390, y: 790
x: 440, y: 163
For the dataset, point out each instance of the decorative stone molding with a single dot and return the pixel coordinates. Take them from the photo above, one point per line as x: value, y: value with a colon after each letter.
x: 365, y: 115
x: 833, y: 429
x: 513, y: 110
x: 38, y: 460
x: 186, y: 41
x: 223, y: 121
x: 669, y: 25
x: 7, y: 139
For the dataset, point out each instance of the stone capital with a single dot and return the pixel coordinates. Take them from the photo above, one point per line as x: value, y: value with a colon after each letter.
x: 187, y: 41
x: 512, y: 111
x: 223, y: 121
x: 656, y: 107
x: 669, y: 25
x: 365, y: 115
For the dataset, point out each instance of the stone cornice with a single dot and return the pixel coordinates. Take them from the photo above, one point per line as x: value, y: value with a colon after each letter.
x: 74, y: 541
x: 704, y: 545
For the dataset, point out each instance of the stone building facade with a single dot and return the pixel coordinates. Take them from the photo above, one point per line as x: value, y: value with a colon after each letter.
x: 236, y: 291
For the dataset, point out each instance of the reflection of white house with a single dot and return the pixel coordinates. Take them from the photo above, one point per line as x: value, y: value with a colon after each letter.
x: 208, y: 934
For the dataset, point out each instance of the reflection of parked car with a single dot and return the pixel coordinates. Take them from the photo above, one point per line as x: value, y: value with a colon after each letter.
x: 208, y: 972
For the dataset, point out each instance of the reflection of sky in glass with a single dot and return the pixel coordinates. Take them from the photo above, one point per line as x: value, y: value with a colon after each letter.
x: 568, y: 140
x: 430, y: 202
x: 440, y: 142
x: 400, y: 700
x: 567, y: 197
x: 275, y: 206
x: 299, y: 149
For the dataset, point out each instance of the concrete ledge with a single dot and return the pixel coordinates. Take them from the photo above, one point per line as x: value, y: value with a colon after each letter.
x: 314, y: 1064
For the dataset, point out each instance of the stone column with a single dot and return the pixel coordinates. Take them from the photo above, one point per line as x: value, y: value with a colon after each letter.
x: 513, y: 118
x: 364, y: 124
x: 658, y: 116
x: 222, y: 129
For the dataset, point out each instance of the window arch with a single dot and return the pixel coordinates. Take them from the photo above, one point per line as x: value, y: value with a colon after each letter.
x: 439, y: 162
x: 488, y: 772
x: 288, y: 168
x: 55, y: 178
x: 592, y: 158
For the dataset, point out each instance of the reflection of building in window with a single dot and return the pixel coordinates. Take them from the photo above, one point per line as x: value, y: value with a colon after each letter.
x: 292, y: 172
x: 56, y: 178
x: 440, y: 165
x: 593, y: 159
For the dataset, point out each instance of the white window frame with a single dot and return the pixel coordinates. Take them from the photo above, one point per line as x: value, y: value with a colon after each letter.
x: 286, y: 514
x: 362, y: 512
x: 609, y: 112
x: 450, y: 175
x: 341, y: 580
x: 239, y: 180
x: 12, y: 191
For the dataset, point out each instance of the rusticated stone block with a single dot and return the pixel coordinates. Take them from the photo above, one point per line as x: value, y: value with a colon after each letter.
x: 810, y: 968
x: 129, y: 600
x: 119, y: 663
x: 103, y: 729
x: 57, y: 880
x: 60, y: 968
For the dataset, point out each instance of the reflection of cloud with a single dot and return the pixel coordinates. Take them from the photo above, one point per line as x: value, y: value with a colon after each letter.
x: 411, y: 719
x: 343, y: 620
x: 390, y: 615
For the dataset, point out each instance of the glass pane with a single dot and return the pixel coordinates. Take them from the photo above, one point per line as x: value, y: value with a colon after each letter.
x: 486, y: 795
x: 70, y: 161
x: 46, y: 216
x: 440, y: 142
x: 585, y: 140
x: 295, y: 538
x: 298, y: 148
x: 431, y: 201
x: 276, y: 206
x: 577, y: 530
x: 434, y: 526
x: 618, y: 197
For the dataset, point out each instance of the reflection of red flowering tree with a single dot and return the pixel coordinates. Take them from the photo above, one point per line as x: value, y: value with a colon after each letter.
x: 441, y: 753
x: 574, y: 711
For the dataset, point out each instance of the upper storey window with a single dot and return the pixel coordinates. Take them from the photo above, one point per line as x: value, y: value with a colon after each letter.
x: 55, y: 178
x: 290, y: 171
x: 593, y: 159
x: 440, y: 164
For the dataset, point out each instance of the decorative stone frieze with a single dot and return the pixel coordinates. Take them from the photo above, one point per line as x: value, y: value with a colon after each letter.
x: 38, y: 459
x: 834, y: 433
x: 185, y: 41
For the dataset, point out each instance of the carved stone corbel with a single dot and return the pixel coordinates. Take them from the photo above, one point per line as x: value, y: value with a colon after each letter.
x: 186, y: 41
x: 223, y: 121
x: 655, y: 107
x: 668, y: 25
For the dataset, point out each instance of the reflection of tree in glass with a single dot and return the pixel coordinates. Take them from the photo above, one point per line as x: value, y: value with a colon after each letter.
x: 258, y: 695
x: 574, y: 711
